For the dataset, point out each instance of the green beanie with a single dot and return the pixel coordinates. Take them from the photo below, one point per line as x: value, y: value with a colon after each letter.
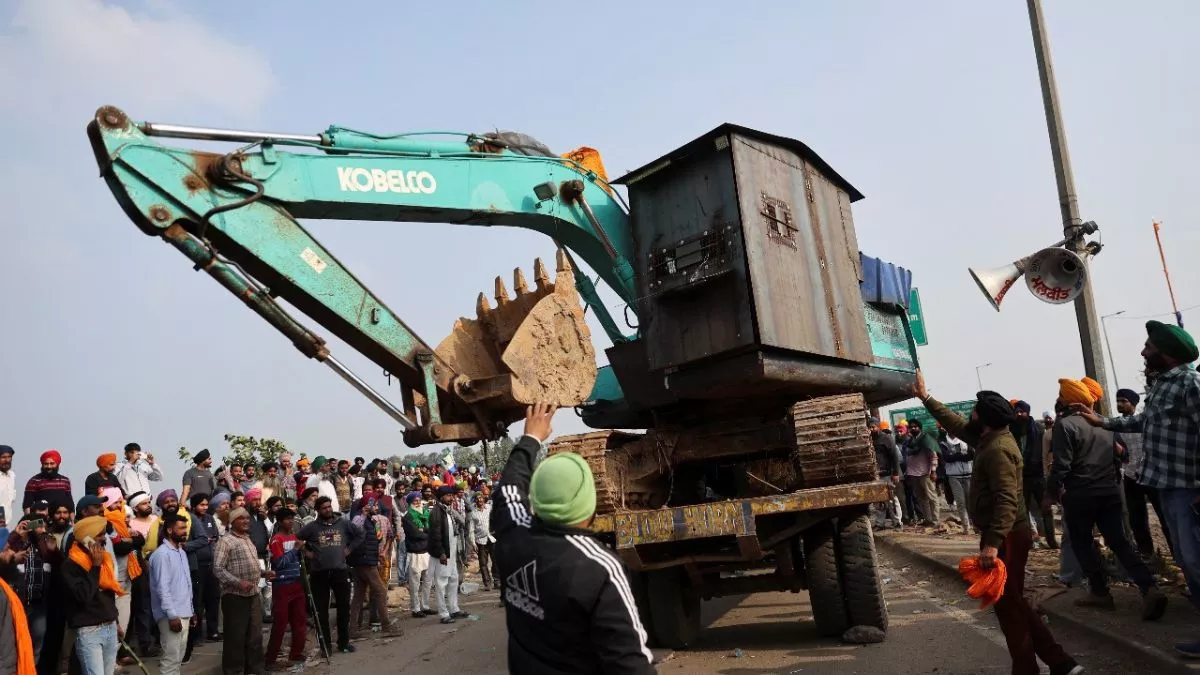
x: 562, y: 490
x: 1172, y: 341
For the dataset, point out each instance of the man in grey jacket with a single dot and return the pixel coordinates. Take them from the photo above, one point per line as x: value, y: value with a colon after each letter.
x: 328, y: 541
x: 1084, y: 477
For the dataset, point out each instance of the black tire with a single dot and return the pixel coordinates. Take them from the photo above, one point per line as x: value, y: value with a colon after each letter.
x: 637, y: 583
x: 674, y: 608
x: 861, y: 584
x: 823, y: 580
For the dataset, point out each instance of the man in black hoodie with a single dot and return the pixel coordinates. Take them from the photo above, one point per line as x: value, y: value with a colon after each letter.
x: 568, y: 604
x: 328, y: 541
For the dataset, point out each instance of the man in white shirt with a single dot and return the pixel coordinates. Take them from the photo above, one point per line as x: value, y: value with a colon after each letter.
x: 8, y: 486
x: 323, y: 468
x: 136, y: 472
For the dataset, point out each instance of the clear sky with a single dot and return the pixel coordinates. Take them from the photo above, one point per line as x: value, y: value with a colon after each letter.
x: 932, y: 109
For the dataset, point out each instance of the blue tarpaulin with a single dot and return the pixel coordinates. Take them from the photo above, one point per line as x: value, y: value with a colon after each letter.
x: 884, y: 283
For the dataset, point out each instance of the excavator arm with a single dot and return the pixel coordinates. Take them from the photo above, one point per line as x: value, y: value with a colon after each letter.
x: 234, y: 215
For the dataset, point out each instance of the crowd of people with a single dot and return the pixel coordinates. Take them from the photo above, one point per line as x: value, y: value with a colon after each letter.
x: 128, y: 570
x: 1004, y: 472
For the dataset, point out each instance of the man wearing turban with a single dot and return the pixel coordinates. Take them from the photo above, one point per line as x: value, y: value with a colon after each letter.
x: 49, y: 484
x: 8, y: 485
x: 105, y: 476
x: 89, y: 577
x: 323, y: 471
x: 998, y: 510
x: 1085, y: 468
x: 1170, y: 428
x: 199, y: 480
x: 1028, y: 434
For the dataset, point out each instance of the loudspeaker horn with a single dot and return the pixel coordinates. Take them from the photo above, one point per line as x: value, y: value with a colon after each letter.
x: 1055, y: 275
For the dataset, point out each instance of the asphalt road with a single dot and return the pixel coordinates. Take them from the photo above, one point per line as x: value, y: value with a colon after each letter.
x: 934, y: 629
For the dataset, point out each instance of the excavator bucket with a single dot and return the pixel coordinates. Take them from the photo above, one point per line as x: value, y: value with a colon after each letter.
x: 533, y: 346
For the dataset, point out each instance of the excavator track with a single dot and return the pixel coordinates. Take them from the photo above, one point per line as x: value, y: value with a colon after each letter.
x: 833, y: 444
x: 818, y: 443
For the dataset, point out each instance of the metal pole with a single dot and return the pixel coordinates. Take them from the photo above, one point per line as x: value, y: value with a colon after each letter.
x: 1163, y: 257
x: 978, y: 377
x: 212, y: 134
x: 1085, y: 305
x: 1108, y: 344
x: 366, y: 390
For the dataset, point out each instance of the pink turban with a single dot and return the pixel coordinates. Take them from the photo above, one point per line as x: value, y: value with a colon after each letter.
x: 253, y: 493
x: 111, y: 495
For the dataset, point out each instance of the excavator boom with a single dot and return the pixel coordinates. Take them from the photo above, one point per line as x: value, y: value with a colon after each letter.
x: 234, y: 216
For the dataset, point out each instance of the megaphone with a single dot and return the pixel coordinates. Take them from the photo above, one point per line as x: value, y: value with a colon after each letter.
x: 1055, y: 275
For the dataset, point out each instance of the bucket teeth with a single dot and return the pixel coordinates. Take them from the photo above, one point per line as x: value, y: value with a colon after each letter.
x: 501, y: 293
x: 482, y: 307
x: 519, y: 285
x: 562, y: 262
x: 540, y: 277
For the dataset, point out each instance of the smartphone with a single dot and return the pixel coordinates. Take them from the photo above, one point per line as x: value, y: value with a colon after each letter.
x: 36, y: 523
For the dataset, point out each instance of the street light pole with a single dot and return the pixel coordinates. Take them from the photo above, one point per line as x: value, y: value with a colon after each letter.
x: 1085, y: 304
x: 978, y: 377
x: 1108, y: 344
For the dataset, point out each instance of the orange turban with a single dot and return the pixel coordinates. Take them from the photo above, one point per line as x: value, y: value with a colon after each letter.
x: 106, y: 459
x: 1074, y: 391
x: 1094, y: 387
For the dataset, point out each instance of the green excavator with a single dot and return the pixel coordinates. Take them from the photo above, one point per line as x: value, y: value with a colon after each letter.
x: 731, y: 451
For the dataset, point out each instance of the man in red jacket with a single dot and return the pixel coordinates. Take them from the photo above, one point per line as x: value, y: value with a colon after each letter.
x: 50, y: 485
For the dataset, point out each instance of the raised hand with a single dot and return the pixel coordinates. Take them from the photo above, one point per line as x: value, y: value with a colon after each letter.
x: 537, y: 420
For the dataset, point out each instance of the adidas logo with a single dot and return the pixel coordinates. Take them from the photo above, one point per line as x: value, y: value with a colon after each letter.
x: 524, y: 580
x: 521, y: 591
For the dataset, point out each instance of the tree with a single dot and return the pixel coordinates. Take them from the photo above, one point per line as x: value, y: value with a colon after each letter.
x: 247, y: 450
x: 497, y: 456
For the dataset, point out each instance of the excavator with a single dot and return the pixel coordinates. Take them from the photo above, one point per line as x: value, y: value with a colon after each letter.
x: 731, y: 451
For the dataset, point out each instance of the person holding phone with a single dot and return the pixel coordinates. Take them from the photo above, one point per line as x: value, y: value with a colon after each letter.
x: 90, y: 580
x: 37, y: 554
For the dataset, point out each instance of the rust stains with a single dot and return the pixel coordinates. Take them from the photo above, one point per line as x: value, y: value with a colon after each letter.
x: 111, y: 117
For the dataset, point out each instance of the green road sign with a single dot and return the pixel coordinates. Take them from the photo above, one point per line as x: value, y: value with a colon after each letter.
x: 961, y: 407
x: 916, y: 318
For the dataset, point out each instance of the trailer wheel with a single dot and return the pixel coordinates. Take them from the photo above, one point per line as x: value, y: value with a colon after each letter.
x: 824, y: 583
x: 860, y: 574
x: 637, y: 584
x: 674, y: 608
